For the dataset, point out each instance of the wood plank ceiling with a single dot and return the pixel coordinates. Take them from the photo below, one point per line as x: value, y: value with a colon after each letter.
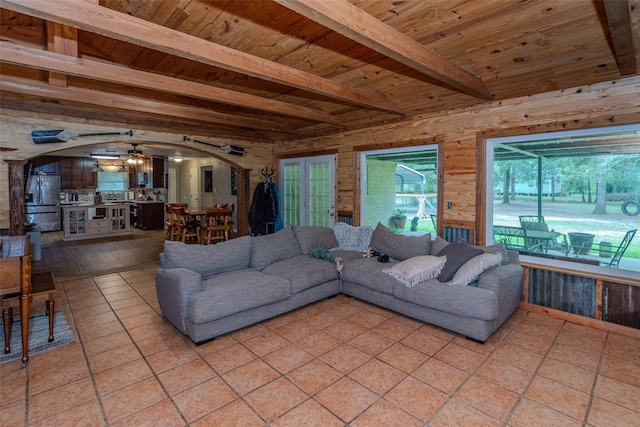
x: 284, y: 69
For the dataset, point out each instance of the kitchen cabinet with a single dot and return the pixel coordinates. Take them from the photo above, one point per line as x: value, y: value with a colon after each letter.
x: 95, y: 221
x: 45, y: 164
x: 148, y: 216
x: 158, y: 173
x: 76, y: 172
x: 75, y: 223
x: 154, y: 168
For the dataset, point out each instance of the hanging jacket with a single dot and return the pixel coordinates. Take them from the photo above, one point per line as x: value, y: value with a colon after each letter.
x: 264, y: 208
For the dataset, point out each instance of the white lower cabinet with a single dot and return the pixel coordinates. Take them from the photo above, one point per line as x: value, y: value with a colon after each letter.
x: 92, y: 222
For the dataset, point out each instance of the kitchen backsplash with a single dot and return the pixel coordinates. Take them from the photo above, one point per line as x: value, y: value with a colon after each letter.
x: 87, y: 195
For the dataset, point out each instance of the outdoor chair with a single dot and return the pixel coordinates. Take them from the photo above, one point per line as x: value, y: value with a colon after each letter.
x: 531, y: 218
x: 535, y: 222
x: 626, y: 241
x: 434, y: 221
x: 511, y: 237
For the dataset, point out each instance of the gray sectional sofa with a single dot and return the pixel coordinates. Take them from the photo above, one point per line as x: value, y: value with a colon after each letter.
x: 209, y: 290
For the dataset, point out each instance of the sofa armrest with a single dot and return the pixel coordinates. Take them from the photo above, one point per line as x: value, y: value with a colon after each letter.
x: 174, y: 287
x: 506, y: 281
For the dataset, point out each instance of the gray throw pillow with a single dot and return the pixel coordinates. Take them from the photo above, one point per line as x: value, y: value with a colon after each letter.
x: 272, y: 248
x: 498, y: 248
x: 398, y: 246
x: 310, y: 238
x: 458, y: 252
x: 438, y: 245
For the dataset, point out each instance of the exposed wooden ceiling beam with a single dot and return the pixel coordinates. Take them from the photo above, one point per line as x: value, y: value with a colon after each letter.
x: 619, y: 19
x: 61, y: 39
x: 123, y: 102
x: 352, y: 22
x: 101, y: 20
x: 34, y: 58
x: 116, y: 118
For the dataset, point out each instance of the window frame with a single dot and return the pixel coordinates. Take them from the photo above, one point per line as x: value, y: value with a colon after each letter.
x: 491, y: 142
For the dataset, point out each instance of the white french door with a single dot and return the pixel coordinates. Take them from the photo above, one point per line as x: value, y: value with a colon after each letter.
x: 308, y: 190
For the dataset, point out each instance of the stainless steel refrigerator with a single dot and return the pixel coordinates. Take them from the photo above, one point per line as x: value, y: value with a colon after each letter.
x: 43, y: 201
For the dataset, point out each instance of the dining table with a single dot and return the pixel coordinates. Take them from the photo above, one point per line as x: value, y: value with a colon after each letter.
x: 543, y: 237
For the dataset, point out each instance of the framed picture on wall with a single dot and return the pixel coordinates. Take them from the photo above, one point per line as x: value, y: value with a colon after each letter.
x: 234, y: 182
x: 208, y: 181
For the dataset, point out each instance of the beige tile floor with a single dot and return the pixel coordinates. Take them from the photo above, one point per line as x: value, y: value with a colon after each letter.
x: 334, y: 363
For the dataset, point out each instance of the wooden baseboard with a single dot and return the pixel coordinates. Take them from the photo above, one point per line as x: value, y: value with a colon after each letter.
x: 581, y: 320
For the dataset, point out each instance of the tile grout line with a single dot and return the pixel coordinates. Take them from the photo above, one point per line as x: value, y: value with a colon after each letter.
x: 595, y: 379
x: 142, y: 355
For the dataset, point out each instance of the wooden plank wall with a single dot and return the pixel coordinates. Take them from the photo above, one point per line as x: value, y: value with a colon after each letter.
x: 604, y: 104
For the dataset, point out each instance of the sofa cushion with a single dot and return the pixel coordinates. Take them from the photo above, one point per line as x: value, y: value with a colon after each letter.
x: 437, y: 245
x: 416, y: 269
x: 271, y: 248
x: 232, y: 292
x: 398, y: 246
x: 470, y: 270
x: 352, y: 238
x: 303, y: 272
x: 463, y: 301
x: 310, y: 238
x: 368, y: 272
x: 457, y: 252
x: 207, y: 260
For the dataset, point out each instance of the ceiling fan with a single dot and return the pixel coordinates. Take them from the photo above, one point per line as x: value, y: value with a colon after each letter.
x: 135, y: 155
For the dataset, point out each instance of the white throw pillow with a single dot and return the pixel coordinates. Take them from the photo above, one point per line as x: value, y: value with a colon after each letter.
x: 470, y: 270
x: 417, y: 269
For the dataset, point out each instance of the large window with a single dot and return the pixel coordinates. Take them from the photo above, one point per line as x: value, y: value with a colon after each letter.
x: 399, y: 189
x: 568, y: 195
x: 116, y: 181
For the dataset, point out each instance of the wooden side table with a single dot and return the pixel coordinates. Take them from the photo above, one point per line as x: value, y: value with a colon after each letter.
x: 43, y: 288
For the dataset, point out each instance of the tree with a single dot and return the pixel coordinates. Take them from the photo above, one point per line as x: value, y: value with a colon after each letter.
x: 601, y: 196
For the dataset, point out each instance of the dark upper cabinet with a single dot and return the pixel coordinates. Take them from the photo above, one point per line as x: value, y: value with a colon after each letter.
x: 45, y: 164
x: 90, y: 178
x: 66, y: 166
x: 75, y: 172
x: 158, y: 173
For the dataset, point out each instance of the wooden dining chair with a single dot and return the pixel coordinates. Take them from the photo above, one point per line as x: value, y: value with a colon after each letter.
x: 217, y: 226
x: 15, y: 278
x: 170, y: 223
x: 185, y: 229
x: 231, y: 207
x: 172, y: 229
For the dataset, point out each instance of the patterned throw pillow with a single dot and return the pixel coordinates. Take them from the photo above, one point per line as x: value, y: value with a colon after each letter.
x: 473, y: 268
x: 352, y: 238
